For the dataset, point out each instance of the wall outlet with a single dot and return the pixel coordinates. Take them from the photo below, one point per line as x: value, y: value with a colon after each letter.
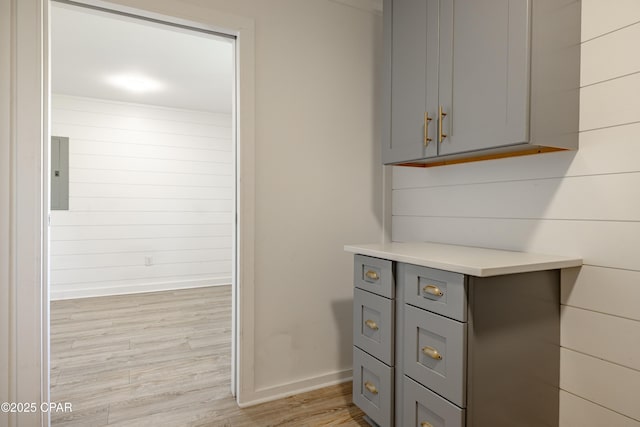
x: 148, y: 260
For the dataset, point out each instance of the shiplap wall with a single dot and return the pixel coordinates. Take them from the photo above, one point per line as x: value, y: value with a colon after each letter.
x: 585, y: 203
x: 144, y: 181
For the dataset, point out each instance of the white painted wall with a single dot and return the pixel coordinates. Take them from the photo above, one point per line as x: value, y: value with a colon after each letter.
x: 318, y: 182
x: 144, y: 181
x: 580, y: 204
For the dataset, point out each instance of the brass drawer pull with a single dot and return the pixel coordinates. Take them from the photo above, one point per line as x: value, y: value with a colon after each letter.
x: 425, y: 424
x: 371, y: 324
x: 432, y: 353
x: 372, y: 389
x: 441, y: 116
x: 427, y: 119
x: 433, y: 290
x: 372, y: 275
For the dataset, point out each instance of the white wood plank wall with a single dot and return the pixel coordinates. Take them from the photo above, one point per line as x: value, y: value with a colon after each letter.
x: 585, y: 203
x: 144, y: 181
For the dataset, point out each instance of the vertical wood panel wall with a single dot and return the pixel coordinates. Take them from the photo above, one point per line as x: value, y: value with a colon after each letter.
x: 585, y: 203
x: 144, y: 181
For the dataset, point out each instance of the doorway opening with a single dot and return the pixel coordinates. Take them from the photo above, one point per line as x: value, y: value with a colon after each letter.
x: 142, y: 244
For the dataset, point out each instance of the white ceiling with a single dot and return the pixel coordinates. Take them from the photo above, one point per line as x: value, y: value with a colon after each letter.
x: 193, y: 69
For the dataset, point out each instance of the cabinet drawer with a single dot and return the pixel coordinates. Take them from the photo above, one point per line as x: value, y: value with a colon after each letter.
x: 373, y: 387
x: 435, y: 353
x: 373, y: 320
x: 422, y: 408
x: 374, y: 275
x: 439, y: 291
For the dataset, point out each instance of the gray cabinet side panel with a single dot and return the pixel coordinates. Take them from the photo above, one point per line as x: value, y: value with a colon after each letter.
x: 484, y: 73
x: 555, y: 73
x: 514, y: 350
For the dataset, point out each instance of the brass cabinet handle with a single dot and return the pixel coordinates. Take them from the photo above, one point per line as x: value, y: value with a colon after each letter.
x: 372, y: 275
x: 432, y: 352
x: 371, y: 324
x: 427, y: 119
x: 425, y: 424
x: 433, y: 290
x: 372, y: 389
x: 441, y: 115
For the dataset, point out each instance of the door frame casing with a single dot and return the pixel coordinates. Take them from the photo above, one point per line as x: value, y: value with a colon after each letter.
x: 24, y: 198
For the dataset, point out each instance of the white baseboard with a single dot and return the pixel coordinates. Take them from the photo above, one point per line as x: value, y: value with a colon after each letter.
x: 137, y: 288
x: 269, y: 394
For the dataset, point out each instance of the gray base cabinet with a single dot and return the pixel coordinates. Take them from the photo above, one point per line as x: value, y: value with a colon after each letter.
x: 443, y: 349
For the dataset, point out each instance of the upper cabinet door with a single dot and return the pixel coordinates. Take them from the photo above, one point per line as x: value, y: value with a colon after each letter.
x: 504, y: 73
x: 412, y: 76
x: 484, y: 52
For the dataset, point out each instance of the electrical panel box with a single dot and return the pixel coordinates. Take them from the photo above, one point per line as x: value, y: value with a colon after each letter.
x: 59, y: 173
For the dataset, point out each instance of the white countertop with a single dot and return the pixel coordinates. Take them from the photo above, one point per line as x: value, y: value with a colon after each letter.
x: 478, y: 262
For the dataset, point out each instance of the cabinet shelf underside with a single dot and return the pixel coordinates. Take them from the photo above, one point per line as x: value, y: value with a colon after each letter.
x: 512, y: 151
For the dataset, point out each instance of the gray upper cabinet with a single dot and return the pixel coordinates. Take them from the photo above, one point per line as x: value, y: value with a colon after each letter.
x: 475, y: 78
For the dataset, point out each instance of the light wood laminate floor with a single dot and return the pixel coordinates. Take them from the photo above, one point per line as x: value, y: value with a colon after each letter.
x: 163, y: 359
